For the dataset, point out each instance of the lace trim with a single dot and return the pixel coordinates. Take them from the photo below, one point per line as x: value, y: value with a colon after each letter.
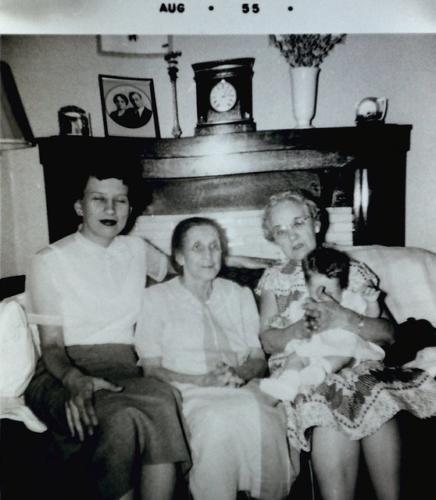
x: 281, y: 283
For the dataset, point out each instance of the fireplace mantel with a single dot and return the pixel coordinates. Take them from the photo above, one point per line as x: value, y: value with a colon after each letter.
x: 366, y: 165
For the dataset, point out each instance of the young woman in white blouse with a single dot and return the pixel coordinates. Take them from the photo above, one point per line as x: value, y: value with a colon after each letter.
x: 85, y: 295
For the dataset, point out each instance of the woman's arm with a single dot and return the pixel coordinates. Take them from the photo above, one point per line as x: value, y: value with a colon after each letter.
x: 248, y: 262
x: 152, y: 367
x: 79, y: 407
x: 373, y: 298
x: 254, y: 367
x: 53, y: 352
x: 158, y: 262
x: 43, y: 294
x: 373, y: 310
x: 330, y: 315
x: 275, y: 339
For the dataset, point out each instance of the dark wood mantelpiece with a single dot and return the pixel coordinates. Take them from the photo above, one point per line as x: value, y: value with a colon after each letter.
x: 241, y: 169
x: 292, y: 149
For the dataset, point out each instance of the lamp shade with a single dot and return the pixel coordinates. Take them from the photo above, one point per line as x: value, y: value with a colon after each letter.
x: 15, y: 130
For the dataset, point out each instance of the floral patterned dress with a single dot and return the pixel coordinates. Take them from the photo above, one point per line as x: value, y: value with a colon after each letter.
x: 357, y: 400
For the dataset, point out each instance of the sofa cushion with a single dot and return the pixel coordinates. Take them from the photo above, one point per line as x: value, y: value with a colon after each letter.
x: 18, y: 354
x: 17, y: 350
x: 407, y: 276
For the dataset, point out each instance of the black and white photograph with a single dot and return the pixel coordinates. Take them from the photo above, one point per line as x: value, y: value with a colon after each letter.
x: 235, y: 300
x: 129, y: 106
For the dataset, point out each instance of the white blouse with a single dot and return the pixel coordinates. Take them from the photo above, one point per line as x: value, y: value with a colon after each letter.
x: 93, y: 292
x: 192, y: 337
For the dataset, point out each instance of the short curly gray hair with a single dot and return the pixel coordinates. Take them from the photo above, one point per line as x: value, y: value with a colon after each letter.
x: 294, y: 195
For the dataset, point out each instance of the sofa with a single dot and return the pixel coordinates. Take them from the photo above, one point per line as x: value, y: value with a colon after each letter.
x: 29, y: 468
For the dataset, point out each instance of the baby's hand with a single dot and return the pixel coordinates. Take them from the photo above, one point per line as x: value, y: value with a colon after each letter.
x: 311, y: 317
x: 229, y: 376
x: 370, y: 294
x: 235, y: 381
x: 279, y: 321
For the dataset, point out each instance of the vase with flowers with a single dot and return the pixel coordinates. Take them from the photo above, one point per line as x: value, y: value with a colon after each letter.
x: 304, y: 54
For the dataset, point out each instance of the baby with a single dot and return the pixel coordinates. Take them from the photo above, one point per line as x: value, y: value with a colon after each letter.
x: 306, y: 362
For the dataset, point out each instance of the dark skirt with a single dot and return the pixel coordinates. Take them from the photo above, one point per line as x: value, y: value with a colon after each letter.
x: 143, y: 424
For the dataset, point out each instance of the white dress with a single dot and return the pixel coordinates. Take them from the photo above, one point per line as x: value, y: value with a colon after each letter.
x: 238, y: 442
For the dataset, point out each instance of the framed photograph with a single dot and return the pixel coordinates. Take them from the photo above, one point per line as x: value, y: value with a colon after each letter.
x: 129, y: 106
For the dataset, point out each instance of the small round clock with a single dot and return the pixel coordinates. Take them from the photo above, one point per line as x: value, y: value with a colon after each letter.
x: 224, y: 96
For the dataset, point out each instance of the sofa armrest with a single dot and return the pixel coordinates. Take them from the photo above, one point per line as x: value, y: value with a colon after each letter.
x: 407, y: 276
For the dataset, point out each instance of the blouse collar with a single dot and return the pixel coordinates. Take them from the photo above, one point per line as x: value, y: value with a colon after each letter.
x: 188, y: 294
x: 95, y: 247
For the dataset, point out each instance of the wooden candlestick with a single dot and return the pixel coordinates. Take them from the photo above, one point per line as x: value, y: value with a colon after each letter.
x: 171, y: 59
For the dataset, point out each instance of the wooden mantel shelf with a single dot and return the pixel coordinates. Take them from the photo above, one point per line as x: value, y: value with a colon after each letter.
x: 239, y: 153
x: 359, y: 167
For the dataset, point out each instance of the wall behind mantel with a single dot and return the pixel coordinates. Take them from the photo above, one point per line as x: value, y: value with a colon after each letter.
x: 55, y: 71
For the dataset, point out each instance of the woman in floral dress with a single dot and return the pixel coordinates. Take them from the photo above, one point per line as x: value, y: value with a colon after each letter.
x: 351, y: 409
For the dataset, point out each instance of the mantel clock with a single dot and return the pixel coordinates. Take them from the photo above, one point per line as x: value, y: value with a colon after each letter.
x: 224, y: 96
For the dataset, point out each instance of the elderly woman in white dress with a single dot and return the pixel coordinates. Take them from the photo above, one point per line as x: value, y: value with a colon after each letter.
x: 200, y: 333
x: 85, y: 294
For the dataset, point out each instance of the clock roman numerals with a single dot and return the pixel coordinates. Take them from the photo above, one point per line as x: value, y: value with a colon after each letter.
x: 223, y: 96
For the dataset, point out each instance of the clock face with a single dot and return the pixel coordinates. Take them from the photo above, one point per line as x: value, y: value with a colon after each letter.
x: 223, y: 96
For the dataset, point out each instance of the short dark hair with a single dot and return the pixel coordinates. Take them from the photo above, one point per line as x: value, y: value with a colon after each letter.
x: 135, y: 92
x: 329, y: 262
x: 182, y: 228
x: 116, y: 168
x: 104, y: 170
x: 123, y: 97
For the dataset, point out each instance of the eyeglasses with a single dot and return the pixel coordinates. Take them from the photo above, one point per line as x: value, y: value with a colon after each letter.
x: 282, y: 231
